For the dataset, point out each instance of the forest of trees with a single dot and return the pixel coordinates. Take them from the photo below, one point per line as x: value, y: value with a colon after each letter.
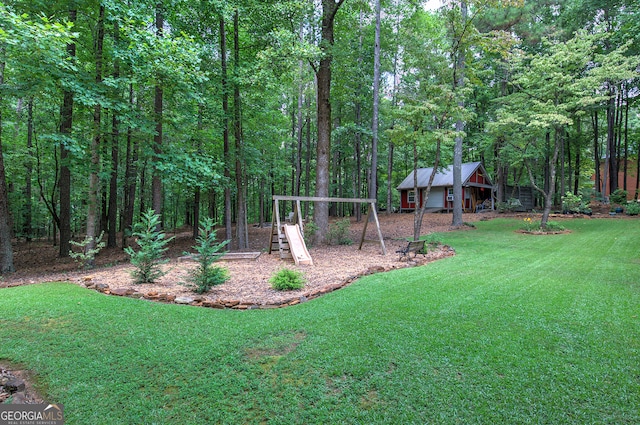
x: 193, y: 108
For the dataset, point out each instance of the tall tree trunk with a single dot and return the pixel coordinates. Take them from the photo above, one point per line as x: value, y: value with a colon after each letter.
x: 550, y: 181
x: 596, y: 152
x: 27, y: 228
x: 576, y: 169
x: 458, y: 81
x: 130, y: 179
x: 225, y: 130
x: 637, y: 174
x: 626, y: 138
x: 563, y: 160
x: 156, y: 179
x: 115, y: 141
x: 241, y: 187
x: 357, y: 177
x: 611, y: 141
x: 299, y: 121
x: 262, y: 205
x: 421, y: 201
x: 197, y: 193
x: 66, y: 126
x: 6, y: 251
x: 390, y: 189
x: 94, y: 181
x: 307, y: 167
x: 323, y: 148
x: 373, y: 183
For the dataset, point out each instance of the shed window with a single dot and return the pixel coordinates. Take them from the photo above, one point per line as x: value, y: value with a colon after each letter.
x: 411, y: 197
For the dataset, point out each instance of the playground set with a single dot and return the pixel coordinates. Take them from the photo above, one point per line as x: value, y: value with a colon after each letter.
x: 288, y: 238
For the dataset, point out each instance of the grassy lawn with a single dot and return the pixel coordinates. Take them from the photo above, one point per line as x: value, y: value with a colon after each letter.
x: 514, y: 329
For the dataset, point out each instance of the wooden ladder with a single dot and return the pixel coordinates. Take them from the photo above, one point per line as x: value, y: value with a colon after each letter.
x: 278, y: 238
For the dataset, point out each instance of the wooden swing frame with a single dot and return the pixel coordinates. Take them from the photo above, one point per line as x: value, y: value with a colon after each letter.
x: 276, y: 224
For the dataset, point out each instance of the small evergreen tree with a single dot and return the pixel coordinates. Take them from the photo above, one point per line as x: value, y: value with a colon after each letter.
x: 153, y: 244
x: 86, y: 256
x: 206, y: 274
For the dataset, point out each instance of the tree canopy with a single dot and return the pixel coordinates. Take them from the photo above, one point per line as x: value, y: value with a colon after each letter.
x: 109, y: 108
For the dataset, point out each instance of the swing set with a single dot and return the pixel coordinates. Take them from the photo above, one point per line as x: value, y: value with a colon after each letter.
x: 288, y: 238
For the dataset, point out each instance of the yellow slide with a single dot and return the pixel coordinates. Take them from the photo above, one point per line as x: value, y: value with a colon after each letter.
x: 296, y: 245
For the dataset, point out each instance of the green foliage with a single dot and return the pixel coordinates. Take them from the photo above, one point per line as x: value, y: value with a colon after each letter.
x: 287, y: 280
x: 633, y: 208
x: 618, y: 197
x: 339, y: 232
x: 511, y: 205
x: 206, y: 275
x: 86, y: 255
x: 310, y: 230
x: 152, y: 244
x: 571, y: 203
x: 574, y: 204
x: 554, y: 226
x: 534, y: 226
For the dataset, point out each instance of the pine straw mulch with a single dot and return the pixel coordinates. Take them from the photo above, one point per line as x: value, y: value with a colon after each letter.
x: 334, y: 266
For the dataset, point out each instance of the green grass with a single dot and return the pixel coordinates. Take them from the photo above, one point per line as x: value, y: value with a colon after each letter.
x: 514, y: 329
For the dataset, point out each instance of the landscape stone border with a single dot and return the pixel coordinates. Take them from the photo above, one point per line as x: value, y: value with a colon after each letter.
x: 200, y: 301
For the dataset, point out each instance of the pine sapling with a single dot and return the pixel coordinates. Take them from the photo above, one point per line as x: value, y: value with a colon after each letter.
x: 206, y: 275
x: 153, y: 244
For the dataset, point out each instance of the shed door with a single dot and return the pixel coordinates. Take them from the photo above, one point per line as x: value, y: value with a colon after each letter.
x: 436, y: 198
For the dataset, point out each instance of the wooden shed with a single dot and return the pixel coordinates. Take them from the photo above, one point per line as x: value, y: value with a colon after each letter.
x: 476, y: 189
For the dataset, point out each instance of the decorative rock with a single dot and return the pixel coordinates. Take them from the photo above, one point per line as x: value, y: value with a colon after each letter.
x: 102, y: 287
x: 375, y: 269
x: 19, y: 398
x: 183, y: 300
x: 14, y: 385
x: 120, y: 291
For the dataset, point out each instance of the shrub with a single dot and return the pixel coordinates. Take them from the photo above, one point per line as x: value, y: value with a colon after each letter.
x: 574, y: 204
x: 534, y: 226
x: 554, y: 226
x: 511, y: 205
x: 529, y: 225
x: 633, y: 208
x: 339, y: 232
x: 287, y: 280
x: 152, y: 243
x: 205, y: 276
x: 571, y: 203
x: 619, y: 196
x: 310, y: 230
x: 87, y: 255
